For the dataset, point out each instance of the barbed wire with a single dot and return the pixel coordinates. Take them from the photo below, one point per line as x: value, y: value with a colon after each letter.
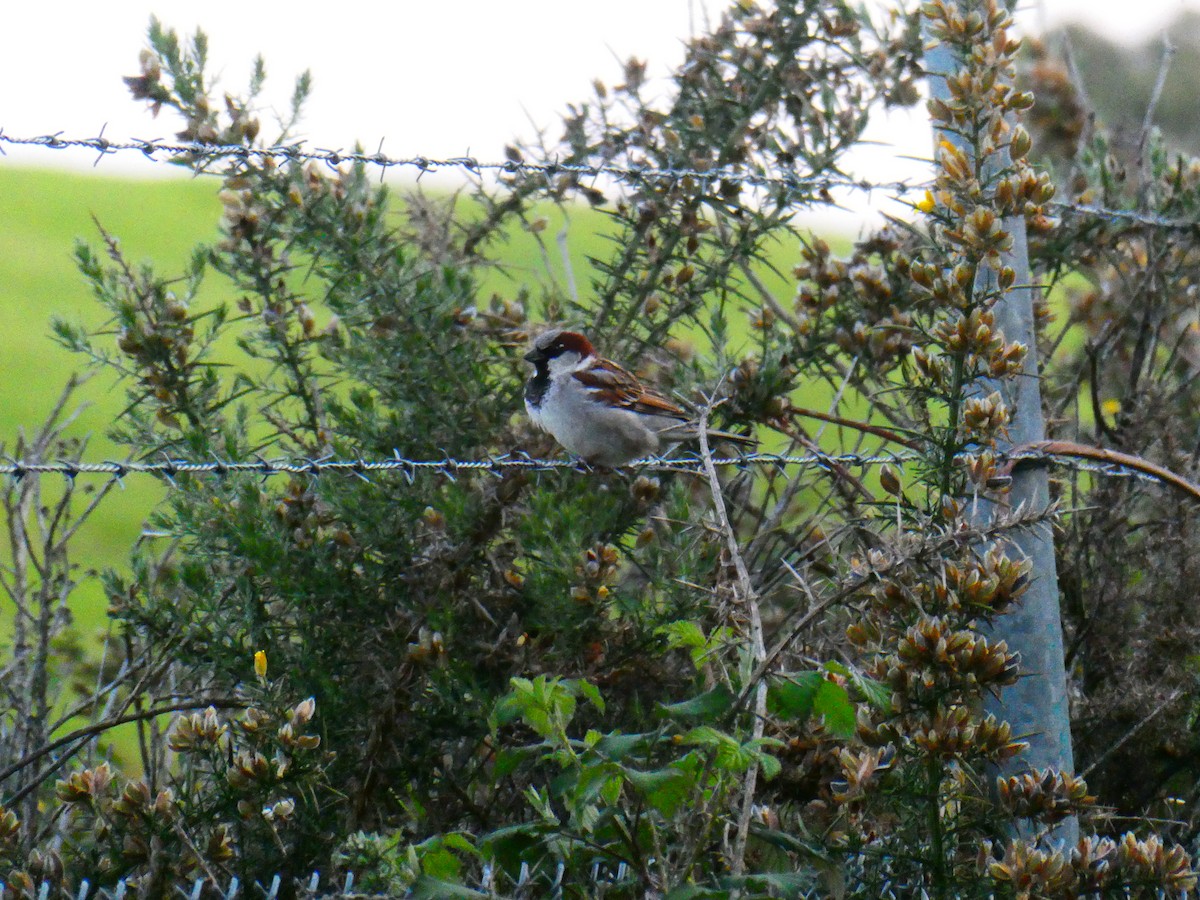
x: 792, y: 182
x: 1130, y: 215
x: 448, y: 467
x: 160, y: 151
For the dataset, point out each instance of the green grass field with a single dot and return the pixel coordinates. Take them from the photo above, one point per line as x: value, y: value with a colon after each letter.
x: 43, y: 214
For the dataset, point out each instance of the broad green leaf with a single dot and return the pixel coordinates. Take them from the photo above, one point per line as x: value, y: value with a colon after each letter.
x: 709, y: 705
x: 507, y: 761
x: 460, y: 842
x: 617, y: 746
x: 683, y: 635
x: 439, y: 862
x: 833, y: 704
x: 731, y: 755
x: 611, y: 792
x: 591, y: 693
x: 770, y: 766
x: 506, y: 710
x: 690, y: 636
x: 664, y: 789
x: 538, y: 719
x: 793, y: 696
x: 875, y: 692
x: 593, y: 779
x: 706, y: 736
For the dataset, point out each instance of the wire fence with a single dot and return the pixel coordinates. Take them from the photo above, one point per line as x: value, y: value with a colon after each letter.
x: 161, y: 151
x: 447, y: 467
x: 790, y: 182
x: 599, y: 882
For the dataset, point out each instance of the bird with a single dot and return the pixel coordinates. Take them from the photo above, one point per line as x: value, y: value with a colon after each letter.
x: 598, y: 410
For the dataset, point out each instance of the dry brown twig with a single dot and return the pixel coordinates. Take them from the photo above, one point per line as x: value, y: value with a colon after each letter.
x: 747, y: 598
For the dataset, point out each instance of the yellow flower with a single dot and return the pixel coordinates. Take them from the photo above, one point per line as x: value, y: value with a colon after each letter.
x: 927, y: 204
x: 260, y: 663
x: 1110, y: 407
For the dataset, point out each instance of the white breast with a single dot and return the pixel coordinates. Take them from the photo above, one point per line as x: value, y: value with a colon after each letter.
x: 599, y: 434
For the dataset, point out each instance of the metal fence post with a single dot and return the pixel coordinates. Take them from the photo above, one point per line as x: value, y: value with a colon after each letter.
x: 1036, y: 706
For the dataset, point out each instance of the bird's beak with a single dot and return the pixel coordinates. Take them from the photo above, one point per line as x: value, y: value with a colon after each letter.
x: 534, y: 356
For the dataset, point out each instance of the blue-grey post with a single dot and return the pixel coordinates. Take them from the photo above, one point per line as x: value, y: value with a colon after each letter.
x: 1036, y: 706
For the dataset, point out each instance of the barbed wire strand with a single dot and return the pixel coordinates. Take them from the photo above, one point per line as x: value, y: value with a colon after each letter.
x: 448, y: 467
x: 1128, y: 215
x: 164, y: 151
x: 157, y: 150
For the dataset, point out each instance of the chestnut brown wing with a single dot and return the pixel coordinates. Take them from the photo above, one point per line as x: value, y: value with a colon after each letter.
x: 617, y: 387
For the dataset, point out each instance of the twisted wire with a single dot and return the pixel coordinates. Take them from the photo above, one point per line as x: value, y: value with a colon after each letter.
x: 791, y: 182
x: 160, y: 151
x: 449, y: 467
x: 1127, y: 215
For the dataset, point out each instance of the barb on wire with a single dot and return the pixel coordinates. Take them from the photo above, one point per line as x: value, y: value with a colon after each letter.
x: 165, y: 151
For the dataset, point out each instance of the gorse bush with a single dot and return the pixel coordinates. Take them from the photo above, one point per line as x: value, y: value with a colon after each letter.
x: 761, y: 681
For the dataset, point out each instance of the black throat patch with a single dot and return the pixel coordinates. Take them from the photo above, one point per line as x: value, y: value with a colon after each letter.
x: 536, y: 387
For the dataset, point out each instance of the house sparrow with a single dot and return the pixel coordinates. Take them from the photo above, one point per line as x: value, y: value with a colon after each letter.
x: 596, y: 409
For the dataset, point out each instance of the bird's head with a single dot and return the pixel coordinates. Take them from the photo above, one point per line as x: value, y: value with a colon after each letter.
x: 568, y: 347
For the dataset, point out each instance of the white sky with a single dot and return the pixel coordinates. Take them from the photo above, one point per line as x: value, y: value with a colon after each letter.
x: 426, y: 78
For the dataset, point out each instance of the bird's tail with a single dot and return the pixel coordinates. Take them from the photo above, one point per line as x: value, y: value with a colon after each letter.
x: 743, y: 440
x: 690, y: 432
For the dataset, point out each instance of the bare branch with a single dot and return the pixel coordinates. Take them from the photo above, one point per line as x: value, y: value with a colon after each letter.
x: 747, y: 599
